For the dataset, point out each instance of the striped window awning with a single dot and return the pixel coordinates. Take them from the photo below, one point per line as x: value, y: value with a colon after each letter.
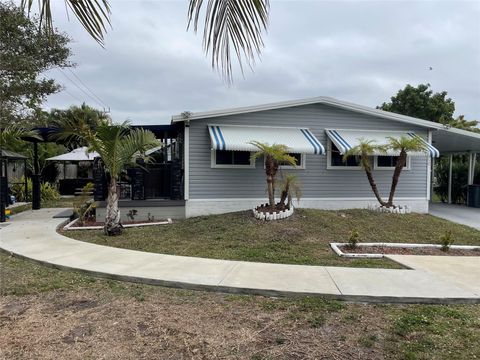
x: 346, y: 140
x: 238, y: 138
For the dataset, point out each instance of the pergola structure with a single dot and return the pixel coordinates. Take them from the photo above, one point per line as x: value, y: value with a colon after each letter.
x: 451, y: 141
x: 7, y: 157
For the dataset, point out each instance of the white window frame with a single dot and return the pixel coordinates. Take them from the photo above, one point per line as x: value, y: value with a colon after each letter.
x: 333, y: 167
x: 390, y: 168
x: 303, y: 159
x: 214, y: 165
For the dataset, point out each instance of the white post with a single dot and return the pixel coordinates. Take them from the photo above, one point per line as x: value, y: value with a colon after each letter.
x: 430, y: 165
x: 471, y: 166
x: 450, y: 179
x: 432, y: 177
x: 186, y: 159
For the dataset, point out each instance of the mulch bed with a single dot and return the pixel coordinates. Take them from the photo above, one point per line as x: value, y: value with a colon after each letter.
x: 265, y: 208
x: 407, y: 251
x: 101, y: 223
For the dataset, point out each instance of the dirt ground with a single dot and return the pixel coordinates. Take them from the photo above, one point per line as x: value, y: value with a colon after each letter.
x: 92, y: 325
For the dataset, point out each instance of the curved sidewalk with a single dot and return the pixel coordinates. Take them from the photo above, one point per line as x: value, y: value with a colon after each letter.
x: 33, y: 235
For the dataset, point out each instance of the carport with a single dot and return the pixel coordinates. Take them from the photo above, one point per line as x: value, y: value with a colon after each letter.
x: 451, y: 141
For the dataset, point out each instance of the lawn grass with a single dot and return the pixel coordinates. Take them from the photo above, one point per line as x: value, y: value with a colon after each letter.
x: 301, y: 239
x: 48, y: 313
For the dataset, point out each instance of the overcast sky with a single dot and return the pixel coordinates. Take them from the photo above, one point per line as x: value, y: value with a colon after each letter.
x: 360, y: 51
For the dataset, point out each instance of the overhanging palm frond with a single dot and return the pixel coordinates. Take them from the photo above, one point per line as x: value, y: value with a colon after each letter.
x: 15, y: 132
x: 236, y: 24
x: 94, y: 15
x: 278, y: 152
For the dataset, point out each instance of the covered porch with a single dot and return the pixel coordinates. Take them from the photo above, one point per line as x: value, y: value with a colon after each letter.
x: 453, y: 142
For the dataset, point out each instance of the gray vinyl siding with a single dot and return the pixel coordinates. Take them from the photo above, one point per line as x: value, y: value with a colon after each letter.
x: 317, y: 181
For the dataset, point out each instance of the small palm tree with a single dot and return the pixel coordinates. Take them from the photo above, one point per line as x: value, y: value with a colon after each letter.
x: 274, y: 155
x: 289, y: 186
x: 117, y: 145
x: 403, y: 145
x: 365, y: 149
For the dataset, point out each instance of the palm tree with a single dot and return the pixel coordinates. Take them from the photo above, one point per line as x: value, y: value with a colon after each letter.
x: 365, y: 149
x: 117, y: 145
x: 274, y: 155
x: 289, y: 185
x: 230, y: 26
x: 403, y: 145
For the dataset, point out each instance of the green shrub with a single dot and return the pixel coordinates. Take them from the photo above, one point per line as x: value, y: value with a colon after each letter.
x: 446, y: 240
x: 83, y: 205
x: 48, y: 191
x: 353, y: 238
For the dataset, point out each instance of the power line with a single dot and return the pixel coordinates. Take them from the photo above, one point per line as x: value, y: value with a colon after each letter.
x: 74, y: 83
x: 86, y: 87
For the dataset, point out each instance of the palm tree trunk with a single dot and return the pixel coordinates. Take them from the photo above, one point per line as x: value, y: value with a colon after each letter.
x: 396, y: 175
x: 271, y: 191
x: 374, y: 187
x: 112, y: 220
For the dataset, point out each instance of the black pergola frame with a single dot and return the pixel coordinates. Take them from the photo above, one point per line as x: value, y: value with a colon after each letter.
x: 5, y: 157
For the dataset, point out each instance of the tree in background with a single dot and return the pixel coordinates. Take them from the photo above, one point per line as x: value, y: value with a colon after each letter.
x: 231, y: 27
x: 422, y: 103
x: 25, y: 54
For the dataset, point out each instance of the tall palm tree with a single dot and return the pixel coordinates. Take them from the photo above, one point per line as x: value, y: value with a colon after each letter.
x: 274, y: 155
x: 403, y: 145
x: 230, y: 26
x: 117, y: 145
x: 365, y: 149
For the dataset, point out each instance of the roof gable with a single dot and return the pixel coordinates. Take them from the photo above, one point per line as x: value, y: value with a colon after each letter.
x: 316, y: 100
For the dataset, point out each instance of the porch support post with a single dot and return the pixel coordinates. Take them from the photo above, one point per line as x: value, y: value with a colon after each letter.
x: 450, y: 179
x: 432, y: 177
x: 471, y: 166
x: 36, y: 202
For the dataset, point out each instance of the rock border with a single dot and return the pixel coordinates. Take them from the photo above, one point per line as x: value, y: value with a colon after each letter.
x: 395, y: 209
x: 336, y: 248
x: 277, y: 215
x: 70, y: 227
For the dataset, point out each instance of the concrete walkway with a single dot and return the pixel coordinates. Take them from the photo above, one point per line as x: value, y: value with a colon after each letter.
x: 460, y: 214
x: 32, y: 235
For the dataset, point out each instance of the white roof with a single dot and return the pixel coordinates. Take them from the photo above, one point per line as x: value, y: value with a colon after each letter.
x: 346, y: 140
x: 233, y: 137
x: 79, y: 154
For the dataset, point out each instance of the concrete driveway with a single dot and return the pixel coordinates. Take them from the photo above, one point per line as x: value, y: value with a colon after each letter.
x: 457, y: 213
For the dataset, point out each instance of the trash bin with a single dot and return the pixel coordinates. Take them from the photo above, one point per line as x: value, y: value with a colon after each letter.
x: 473, y: 196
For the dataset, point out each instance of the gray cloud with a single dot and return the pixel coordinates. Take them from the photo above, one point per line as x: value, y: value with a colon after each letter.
x: 360, y: 51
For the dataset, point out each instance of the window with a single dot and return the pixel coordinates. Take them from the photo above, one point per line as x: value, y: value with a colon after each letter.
x: 300, y: 162
x: 335, y: 159
x: 388, y: 162
x: 231, y: 159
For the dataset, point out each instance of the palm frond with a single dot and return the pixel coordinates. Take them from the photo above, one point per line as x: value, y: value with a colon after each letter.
x: 15, y: 132
x: 93, y: 15
x: 407, y: 144
x: 231, y: 26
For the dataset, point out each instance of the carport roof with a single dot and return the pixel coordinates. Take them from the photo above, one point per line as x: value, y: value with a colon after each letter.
x: 452, y: 140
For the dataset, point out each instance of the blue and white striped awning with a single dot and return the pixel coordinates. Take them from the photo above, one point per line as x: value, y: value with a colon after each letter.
x: 238, y: 138
x: 346, y: 140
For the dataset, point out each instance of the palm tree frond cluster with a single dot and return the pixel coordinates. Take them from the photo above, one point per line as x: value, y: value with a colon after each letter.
x: 93, y: 15
x: 231, y: 26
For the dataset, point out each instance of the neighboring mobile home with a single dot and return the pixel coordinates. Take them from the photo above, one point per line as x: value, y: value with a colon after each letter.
x: 215, y: 175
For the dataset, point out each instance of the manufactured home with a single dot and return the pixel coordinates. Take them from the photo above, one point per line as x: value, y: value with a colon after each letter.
x: 205, y: 167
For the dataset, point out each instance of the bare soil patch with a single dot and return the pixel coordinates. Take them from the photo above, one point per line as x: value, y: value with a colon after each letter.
x: 182, y: 326
x: 407, y: 251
